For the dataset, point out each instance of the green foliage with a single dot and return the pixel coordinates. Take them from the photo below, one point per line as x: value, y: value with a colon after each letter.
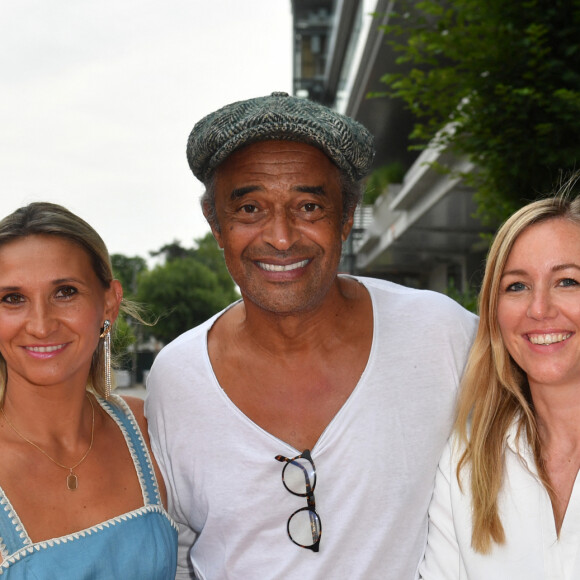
x: 127, y: 269
x: 190, y: 286
x: 188, y: 289
x: 172, y: 251
x: 208, y: 253
x: 123, y: 337
x: 380, y: 178
x: 467, y: 298
x: 495, y: 80
x: 184, y: 293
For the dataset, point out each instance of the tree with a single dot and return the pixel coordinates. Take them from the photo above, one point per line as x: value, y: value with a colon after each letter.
x: 208, y: 252
x: 498, y: 81
x: 186, y: 290
x: 172, y: 251
x: 127, y: 269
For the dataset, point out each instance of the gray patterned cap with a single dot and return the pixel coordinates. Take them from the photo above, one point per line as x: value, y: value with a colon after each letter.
x: 279, y: 117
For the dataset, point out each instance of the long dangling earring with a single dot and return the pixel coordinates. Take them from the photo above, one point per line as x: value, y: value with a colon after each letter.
x: 106, y: 335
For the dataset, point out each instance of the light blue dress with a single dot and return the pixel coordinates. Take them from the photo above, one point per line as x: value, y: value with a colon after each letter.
x: 140, y: 544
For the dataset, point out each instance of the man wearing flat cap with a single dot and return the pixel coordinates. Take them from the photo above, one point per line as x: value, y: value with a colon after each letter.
x: 299, y: 430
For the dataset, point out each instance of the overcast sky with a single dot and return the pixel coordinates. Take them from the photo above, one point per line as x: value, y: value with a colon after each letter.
x: 97, y: 100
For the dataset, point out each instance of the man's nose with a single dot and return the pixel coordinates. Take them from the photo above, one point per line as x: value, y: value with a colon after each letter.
x: 280, y: 232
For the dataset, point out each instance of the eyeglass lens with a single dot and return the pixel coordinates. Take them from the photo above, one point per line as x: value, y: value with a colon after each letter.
x: 299, y: 476
x: 304, y: 528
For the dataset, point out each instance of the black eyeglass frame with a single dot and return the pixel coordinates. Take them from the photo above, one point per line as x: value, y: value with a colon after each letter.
x: 315, y: 522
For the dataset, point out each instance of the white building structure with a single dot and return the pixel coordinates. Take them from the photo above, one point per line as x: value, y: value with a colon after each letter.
x: 420, y: 232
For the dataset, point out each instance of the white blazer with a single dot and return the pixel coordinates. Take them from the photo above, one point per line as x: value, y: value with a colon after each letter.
x: 532, y: 550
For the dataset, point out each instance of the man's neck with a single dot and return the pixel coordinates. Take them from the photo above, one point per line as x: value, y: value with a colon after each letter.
x: 295, y: 331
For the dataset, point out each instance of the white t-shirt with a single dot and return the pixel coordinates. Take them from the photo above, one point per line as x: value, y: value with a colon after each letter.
x: 375, y: 461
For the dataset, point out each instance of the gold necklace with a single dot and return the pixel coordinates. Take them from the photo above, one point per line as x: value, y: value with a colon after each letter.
x: 72, y: 480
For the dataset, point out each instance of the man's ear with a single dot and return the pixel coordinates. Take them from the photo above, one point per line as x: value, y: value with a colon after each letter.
x: 211, y: 218
x: 347, y: 224
x: 218, y: 238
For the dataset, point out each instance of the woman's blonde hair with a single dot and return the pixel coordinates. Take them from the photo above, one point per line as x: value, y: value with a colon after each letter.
x: 49, y: 219
x: 494, y: 390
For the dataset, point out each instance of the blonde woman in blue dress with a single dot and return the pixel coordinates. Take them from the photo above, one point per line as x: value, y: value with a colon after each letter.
x: 80, y: 494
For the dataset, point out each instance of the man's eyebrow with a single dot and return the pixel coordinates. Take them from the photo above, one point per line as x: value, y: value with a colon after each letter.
x: 241, y: 191
x: 314, y: 189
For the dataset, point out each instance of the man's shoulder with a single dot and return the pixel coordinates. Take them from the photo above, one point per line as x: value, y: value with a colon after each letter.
x: 387, y: 289
x: 412, y: 306
x: 379, y: 285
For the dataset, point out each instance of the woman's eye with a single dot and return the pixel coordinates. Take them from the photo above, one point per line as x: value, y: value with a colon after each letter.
x: 516, y: 287
x: 66, y: 292
x: 13, y: 298
x: 568, y: 282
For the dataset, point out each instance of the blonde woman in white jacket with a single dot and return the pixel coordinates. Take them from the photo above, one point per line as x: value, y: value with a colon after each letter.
x: 506, y: 503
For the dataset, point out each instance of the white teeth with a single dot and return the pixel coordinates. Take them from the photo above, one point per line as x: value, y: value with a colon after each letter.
x: 282, y: 268
x: 548, y: 339
x: 44, y: 348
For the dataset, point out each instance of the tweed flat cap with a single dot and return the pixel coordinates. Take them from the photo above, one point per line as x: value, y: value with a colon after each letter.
x: 279, y: 117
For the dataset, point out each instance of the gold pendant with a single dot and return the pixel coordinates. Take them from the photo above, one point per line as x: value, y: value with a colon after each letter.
x: 72, y: 481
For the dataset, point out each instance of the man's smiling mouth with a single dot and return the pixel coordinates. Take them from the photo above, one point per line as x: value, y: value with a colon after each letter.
x: 282, y: 267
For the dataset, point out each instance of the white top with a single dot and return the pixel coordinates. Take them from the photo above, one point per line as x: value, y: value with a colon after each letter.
x: 376, y: 460
x: 532, y: 550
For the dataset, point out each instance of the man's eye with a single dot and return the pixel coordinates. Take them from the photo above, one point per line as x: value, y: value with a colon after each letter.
x: 310, y: 207
x: 249, y: 208
x: 66, y: 292
x: 13, y: 298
